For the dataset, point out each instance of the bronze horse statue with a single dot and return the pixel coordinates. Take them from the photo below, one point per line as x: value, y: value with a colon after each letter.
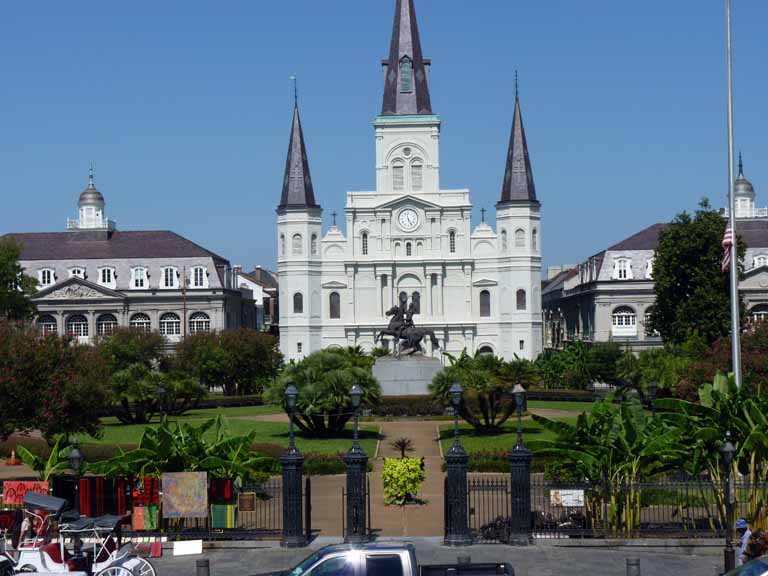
x: 405, y: 334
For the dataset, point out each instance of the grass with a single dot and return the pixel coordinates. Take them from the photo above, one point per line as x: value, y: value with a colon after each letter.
x: 566, y: 406
x: 473, y: 442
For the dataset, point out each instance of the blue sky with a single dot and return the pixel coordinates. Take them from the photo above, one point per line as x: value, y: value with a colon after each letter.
x: 184, y: 106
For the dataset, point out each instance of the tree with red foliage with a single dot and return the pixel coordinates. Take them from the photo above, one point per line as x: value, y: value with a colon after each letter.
x: 50, y: 383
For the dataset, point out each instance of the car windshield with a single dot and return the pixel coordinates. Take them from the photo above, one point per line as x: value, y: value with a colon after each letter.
x: 305, y: 565
x: 757, y: 567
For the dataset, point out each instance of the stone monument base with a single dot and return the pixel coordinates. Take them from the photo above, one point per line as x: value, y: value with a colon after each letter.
x: 405, y: 375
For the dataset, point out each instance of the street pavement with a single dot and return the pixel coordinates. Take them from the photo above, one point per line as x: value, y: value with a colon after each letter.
x: 536, y: 560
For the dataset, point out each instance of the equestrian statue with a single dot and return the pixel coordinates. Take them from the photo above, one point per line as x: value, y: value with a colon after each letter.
x: 406, y: 335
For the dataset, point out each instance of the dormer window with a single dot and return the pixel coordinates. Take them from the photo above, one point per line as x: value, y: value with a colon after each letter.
x: 107, y: 277
x: 761, y: 260
x: 406, y: 75
x: 199, y: 277
x: 45, y: 277
x: 649, y: 269
x: 139, y: 278
x: 622, y: 269
x: 77, y: 272
x: 169, y: 278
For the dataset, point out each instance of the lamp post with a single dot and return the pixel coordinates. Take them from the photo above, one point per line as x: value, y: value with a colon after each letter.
x: 356, y: 461
x: 292, y: 462
x: 161, y: 394
x: 728, y: 450
x: 653, y: 389
x: 456, y: 493
x: 520, y: 468
x: 76, y: 459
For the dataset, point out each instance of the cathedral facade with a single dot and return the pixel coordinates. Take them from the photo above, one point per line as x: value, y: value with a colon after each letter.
x: 409, y: 238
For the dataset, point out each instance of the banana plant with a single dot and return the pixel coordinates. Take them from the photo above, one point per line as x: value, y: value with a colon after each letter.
x: 46, y: 468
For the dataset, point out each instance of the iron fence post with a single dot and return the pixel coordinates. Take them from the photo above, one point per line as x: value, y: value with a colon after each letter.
x: 520, y: 470
x: 456, y: 491
x: 293, y: 534
x: 356, y: 461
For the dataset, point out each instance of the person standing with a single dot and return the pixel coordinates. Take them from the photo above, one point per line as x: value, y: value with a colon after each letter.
x: 743, y: 528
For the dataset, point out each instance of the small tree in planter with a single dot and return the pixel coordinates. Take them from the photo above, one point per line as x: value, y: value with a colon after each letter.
x: 402, y: 478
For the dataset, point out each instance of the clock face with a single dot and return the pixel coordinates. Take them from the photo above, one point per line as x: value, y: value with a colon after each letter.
x: 408, y: 219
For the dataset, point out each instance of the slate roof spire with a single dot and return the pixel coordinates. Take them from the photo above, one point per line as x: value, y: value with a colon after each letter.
x: 518, y: 177
x: 297, y: 184
x: 406, y: 86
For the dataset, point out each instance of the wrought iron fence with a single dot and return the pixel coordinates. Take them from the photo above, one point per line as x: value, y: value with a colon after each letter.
x: 681, y: 509
x: 369, y: 525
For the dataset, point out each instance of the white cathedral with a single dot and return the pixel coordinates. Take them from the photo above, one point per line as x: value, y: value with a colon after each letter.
x: 477, y: 289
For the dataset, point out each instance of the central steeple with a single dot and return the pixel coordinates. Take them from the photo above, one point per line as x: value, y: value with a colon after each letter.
x: 406, y: 86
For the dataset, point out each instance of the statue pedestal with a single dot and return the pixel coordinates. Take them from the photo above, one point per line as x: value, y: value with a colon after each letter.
x: 406, y: 375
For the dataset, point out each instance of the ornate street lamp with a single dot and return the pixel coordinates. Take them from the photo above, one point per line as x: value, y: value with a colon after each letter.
x: 728, y: 450
x: 76, y: 459
x: 456, y: 490
x: 520, y: 468
x: 292, y: 462
x: 653, y: 390
x: 161, y: 395
x: 356, y: 461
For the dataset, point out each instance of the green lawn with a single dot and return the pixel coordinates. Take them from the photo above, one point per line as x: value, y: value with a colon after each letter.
x: 473, y: 442
x: 566, y: 406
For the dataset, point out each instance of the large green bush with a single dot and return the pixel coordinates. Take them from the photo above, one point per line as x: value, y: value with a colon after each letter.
x: 324, y: 380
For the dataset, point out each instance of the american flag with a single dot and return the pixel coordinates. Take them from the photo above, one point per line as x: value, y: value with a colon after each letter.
x: 726, y: 244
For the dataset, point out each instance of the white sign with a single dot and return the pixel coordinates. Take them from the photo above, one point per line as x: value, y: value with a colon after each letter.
x: 567, y: 498
x: 188, y: 548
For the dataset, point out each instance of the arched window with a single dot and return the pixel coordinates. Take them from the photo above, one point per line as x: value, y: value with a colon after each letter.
x: 334, y: 305
x: 622, y: 269
x: 406, y: 75
x: 77, y: 326
x: 140, y: 322
x: 199, y: 277
x: 759, y: 313
x: 519, y: 238
x: 106, y: 324
x: 761, y: 260
x: 298, y: 303
x: 398, y: 175
x: 416, y: 300
x: 170, y: 324
x: 47, y: 325
x: 504, y: 245
x: 485, y: 304
x: 624, y: 322
x: 313, y: 245
x: 521, y: 299
x: 485, y: 351
x: 77, y: 272
x: 535, y: 239
x: 417, y: 175
x: 452, y: 241
x: 298, y: 249
x: 364, y: 242
x: 408, y: 249
x: 282, y: 244
x: 199, y: 322
x: 107, y: 277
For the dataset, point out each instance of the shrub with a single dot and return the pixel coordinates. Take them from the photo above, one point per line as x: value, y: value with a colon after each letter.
x: 409, y: 406
x: 402, y: 478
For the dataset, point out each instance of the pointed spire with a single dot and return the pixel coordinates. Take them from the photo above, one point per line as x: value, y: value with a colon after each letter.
x: 90, y: 176
x: 406, y: 86
x: 297, y: 184
x: 518, y: 178
x: 741, y: 166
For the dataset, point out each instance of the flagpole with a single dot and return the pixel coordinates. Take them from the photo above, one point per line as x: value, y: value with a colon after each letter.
x: 734, y: 268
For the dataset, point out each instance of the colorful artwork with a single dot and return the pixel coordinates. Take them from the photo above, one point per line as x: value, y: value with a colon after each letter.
x: 185, y: 495
x: 13, y: 491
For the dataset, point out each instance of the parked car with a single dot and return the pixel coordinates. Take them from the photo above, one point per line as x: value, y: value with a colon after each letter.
x: 384, y: 559
x: 756, y: 567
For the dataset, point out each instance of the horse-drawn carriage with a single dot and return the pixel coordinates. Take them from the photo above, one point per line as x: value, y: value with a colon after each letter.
x: 49, y: 542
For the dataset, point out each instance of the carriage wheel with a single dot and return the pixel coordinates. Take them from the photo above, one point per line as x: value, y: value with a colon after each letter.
x: 115, y: 571
x: 6, y: 569
x: 143, y: 568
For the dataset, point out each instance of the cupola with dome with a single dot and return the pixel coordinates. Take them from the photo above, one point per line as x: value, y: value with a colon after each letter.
x: 91, y: 209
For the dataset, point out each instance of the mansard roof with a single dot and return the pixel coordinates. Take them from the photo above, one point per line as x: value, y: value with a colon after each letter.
x: 646, y: 239
x: 116, y: 245
x: 406, y: 85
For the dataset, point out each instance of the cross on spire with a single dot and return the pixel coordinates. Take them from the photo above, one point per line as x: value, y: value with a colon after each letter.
x: 482, y: 214
x: 517, y: 85
x: 334, y: 217
x: 90, y: 175
x: 295, y: 89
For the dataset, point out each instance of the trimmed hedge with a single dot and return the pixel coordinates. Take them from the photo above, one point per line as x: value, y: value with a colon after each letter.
x: 221, y: 401
x: 561, y: 395
x: 409, y: 406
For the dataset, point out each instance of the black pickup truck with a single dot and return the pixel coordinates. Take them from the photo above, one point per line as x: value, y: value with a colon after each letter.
x: 384, y: 559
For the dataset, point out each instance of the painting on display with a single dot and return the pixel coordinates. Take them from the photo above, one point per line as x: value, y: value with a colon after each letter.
x: 13, y: 491
x: 185, y: 495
